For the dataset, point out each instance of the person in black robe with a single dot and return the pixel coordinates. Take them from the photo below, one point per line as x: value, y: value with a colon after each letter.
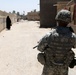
x: 8, y: 23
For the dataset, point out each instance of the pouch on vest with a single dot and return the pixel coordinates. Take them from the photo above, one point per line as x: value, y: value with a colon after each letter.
x: 73, y: 63
x: 41, y: 58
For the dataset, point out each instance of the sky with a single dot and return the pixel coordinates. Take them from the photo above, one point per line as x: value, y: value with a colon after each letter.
x: 19, y: 5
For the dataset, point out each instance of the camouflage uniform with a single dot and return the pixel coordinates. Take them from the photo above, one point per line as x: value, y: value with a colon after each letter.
x: 58, y: 53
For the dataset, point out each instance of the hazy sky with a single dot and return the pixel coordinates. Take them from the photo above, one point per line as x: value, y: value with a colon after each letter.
x: 19, y: 5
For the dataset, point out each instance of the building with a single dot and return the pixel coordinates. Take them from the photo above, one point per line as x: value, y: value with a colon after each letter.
x: 69, y: 5
x: 48, y: 11
x: 33, y: 15
x: 72, y: 5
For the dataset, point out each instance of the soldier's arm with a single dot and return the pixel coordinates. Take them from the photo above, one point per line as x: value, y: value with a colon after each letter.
x: 43, y: 43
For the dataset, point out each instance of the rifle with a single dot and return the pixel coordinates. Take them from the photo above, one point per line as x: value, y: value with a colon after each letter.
x: 35, y: 46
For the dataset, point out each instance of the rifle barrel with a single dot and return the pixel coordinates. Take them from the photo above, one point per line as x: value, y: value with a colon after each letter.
x: 35, y: 47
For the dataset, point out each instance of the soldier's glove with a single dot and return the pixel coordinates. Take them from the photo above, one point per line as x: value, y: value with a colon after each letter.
x: 41, y: 58
x: 73, y: 63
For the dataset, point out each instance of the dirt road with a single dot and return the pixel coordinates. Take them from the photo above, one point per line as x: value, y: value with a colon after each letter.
x: 17, y: 56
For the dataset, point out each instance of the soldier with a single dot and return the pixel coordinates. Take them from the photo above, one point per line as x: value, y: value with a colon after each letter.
x: 55, y: 47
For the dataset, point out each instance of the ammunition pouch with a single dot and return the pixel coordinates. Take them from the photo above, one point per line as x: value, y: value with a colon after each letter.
x: 41, y: 58
x: 73, y: 63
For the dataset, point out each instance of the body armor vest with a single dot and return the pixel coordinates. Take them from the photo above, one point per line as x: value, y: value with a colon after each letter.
x: 60, y: 42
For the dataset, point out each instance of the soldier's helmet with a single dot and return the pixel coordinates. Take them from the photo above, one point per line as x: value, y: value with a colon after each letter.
x: 63, y: 15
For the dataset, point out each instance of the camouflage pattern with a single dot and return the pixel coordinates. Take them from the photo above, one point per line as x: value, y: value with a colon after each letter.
x: 56, y: 46
x: 64, y: 15
x: 55, y: 70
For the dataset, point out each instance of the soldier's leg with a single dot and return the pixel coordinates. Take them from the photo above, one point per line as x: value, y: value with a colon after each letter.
x: 48, y: 70
x: 64, y: 70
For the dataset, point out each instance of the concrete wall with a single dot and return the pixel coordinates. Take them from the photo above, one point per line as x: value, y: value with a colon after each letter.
x: 74, y: 28
x: 2, y: 23
x: 13, y: 17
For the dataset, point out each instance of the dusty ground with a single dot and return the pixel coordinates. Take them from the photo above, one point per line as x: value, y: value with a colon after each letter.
x: 17, y: 56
